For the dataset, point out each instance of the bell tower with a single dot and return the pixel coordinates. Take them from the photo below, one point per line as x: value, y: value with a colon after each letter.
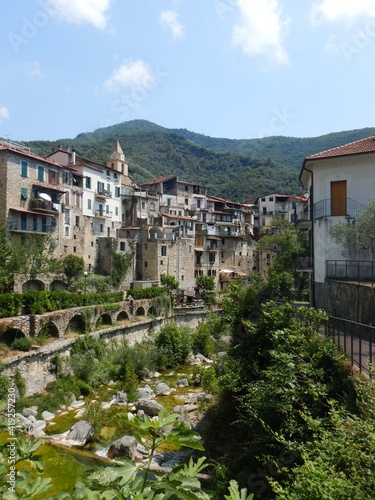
x: 117, y: 160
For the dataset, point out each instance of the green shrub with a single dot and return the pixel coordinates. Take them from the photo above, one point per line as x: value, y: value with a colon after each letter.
x: 22, y: 344
x: 202, y: 341
x: 5, y: 383
x: 147, y: 293
x: 174, y: 343
x: 10, y: 304
x: 87, y: 343
x: 20, y: 383
x: 210, y: 381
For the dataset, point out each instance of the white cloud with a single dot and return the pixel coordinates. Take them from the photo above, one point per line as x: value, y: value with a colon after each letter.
x: 342, y: 10
x: 83, y: 11
x: 169, y: 19
x: 33, y: 69
x: 4, y: 113
x: 261, y: 30
x: 131, y: 74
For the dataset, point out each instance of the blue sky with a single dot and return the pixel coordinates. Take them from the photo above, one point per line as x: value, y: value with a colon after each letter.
x: 225, y: 68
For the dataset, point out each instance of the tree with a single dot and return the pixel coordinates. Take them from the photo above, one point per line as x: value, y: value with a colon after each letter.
x: 32, y: 255
x: 170, y: 282
x: 360, y: 235
x: 205, y: 283
x: 73, y: 266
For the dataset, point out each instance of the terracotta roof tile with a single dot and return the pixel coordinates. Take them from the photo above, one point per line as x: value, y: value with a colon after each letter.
x: 366, y: 145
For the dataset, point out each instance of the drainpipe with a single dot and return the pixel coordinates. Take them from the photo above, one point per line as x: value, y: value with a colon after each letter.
x: 312, y: 235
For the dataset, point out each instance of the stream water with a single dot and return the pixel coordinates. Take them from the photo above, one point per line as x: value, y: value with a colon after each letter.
x: 67, y: 466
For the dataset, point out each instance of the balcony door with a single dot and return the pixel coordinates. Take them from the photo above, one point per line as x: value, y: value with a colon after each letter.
x: 338, y: 197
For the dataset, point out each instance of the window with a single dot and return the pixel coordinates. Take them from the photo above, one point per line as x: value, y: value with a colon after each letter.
x: 263, y: 222
x: 190, y: 248
x: 162, y: 262
x: 264, y: 210
x: 23, y: 193
x: 186, y: 188
x: 53, y: 177
x: 108, y: 173
x: 146, y: 263
x: 115, y: 176
x: 101, y: 228
x: 186, y: 201
x: 182, y: 277
x: 196, y: 274
x: 88, y: 204
x: 67, y: 200
x: 116, y: 211
x: 35, y: 223
x: 164, y: 251
x: 24, y: 167
x: 270, y: 198
x: 77, y: 220
x: 107, y: 209
x: 75, y: 249
x: 66, y: 177
x: 40, y: 173
x: 65, y: 249
x: 168, y: 202
x: 88, y: 182
x: 117, y: 192
x: 66, y: 231
x: 145, y: 246
x: 100, y: 187
x: 122, y: 246
x: 92, y: 243
x: 263, y: 199
x: 152, y: 206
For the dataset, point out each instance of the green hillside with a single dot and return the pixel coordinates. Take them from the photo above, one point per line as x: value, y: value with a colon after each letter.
x: 234, y: 169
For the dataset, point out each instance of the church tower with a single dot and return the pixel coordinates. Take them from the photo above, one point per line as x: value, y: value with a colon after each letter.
x: 117, y: 161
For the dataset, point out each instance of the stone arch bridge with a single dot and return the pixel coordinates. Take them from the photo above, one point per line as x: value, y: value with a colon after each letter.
x: 78, y: 319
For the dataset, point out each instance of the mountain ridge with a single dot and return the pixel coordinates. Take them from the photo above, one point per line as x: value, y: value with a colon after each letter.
x: 231, y: 168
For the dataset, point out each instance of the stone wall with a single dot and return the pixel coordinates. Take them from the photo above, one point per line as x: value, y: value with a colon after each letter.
x: 38, y: 367
x: 352, y: 301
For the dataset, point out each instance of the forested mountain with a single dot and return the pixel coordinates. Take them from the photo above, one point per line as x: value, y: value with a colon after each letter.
x: 231, y: 168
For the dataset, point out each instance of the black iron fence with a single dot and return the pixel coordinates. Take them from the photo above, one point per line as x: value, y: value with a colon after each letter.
x: 354, y: 339
x: 351, y: 270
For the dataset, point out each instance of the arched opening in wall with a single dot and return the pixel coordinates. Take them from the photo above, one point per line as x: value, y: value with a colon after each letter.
x: 152, y: 311
x: 122, y: 317
x: 35, y: 285
x: 105, y: 319
x: 47, y: 333
x: 140, y: 312
x: 58, y: 285
x: 76, y: 325
x: 8, y: 337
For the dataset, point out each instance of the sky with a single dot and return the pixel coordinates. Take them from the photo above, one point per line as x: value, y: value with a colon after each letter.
x: 238, y: 69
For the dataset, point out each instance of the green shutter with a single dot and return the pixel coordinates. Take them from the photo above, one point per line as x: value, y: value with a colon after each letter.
x: 23, y: 193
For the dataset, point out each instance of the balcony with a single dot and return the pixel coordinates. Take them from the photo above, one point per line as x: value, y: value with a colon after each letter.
x: 101, y: 214
x: 30, y: 226
x: 345, y: 207
x: 103, y: 194
x: 41, y: 205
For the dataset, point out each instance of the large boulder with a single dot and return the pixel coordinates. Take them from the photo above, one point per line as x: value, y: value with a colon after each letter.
x: 124, y: 447
x: 145, y: 392
x: 162, y: 389
x: 81, y: 432
x: 149, y: 406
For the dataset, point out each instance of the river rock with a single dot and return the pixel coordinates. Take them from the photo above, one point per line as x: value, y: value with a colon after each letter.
x: 145, y: 392
x: 121, y: 398
x: 124, y: 447
x: 27, y: 412
x: 81, y: 432
x: 47, y: 415
x: 150, y: 407
x: 182, y: 382
x: 37, y: 433
x: 162, y: 389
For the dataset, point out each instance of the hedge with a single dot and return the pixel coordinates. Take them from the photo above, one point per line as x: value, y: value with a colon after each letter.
x: 37, y: 302
x: 10, y: 304
x: 147, y: 293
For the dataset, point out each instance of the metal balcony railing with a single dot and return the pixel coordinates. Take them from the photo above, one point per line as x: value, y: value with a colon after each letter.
x: 341, y: 206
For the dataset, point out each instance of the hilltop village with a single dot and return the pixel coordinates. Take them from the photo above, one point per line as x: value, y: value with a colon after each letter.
x: 171, y: 227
